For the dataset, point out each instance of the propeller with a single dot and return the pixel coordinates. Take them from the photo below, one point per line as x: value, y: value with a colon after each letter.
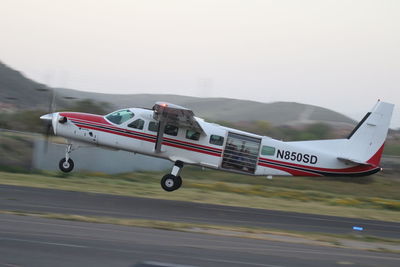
x: 48, y: 118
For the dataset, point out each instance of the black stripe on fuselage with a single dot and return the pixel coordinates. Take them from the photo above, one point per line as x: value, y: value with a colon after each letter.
x: 115, y: 130
x: 191, y: 146
x: 324, y: 173
x: 176, y: 142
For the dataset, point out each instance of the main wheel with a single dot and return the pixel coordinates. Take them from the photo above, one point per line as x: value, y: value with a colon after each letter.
x: 178, y: 182
x: 66, y: 166
x: 170, y: 182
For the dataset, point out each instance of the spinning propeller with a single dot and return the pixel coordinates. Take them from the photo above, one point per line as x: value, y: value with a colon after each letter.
x: 48, y: 118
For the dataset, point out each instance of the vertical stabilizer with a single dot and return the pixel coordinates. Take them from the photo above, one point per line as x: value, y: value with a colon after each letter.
x: 365, y: 143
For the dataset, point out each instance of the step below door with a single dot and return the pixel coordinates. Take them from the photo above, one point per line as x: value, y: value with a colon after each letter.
x: 241, y: 153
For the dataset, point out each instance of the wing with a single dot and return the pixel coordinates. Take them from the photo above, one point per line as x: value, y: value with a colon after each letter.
x: 176, y: 115
x: 166, y: 113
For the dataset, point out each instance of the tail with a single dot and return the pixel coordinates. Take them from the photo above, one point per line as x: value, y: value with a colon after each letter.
x: 366, y: 141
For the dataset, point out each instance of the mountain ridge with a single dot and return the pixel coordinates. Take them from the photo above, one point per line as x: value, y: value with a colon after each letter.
x: 20, y: 92
x: 225, y: 109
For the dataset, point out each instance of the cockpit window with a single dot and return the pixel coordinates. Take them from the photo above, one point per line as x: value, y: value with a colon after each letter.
x: 120, y: 116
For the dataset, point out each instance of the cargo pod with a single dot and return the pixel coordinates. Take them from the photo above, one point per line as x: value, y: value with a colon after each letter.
x: 241, y: 153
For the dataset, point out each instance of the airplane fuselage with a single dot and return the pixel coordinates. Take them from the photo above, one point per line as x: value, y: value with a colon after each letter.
x: 217, y: 147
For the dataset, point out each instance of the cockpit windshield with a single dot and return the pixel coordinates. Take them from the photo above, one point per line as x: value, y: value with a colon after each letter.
x: 120, y: 116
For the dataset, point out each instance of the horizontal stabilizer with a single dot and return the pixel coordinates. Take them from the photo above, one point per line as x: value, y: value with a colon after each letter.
x: 354, y: 161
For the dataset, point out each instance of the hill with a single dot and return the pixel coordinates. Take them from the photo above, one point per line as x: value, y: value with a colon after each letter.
x: 225, y: 109
x: 20, y: 92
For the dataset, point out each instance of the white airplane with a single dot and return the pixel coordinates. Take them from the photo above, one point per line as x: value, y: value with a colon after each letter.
x: 172, y: 132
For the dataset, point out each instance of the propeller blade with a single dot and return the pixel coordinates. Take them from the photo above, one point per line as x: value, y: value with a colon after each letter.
x: 52, y: 104
x: 48, y: 118
x: 48, y: 131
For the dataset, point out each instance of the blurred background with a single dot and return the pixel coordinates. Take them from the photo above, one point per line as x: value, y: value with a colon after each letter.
x: 285, y: 69
x: 291, y: 70
x: 23, y: 101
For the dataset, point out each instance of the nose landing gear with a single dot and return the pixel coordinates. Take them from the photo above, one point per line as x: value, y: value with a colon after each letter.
x: 66, y: 164
x: 173, y: 181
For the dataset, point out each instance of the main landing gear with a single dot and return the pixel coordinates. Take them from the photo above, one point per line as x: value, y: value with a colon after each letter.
x: 67, y: 164
x: 173, y: 181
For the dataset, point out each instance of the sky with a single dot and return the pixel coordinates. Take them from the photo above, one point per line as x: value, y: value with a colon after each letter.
x: 343, y: 55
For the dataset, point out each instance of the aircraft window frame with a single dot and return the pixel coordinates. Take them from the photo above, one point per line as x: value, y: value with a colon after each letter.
x: 117, y: 118
x: 192, y: 135
x: 217, y: 142
x: 150, y: 128
x: 171, y: 130
x: 140, y: 126
x: 268, y: 150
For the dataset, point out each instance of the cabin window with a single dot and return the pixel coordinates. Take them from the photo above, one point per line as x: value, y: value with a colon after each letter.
x: 192, y: 135
x: 216, y: 140
x: 268, y: 151
x: 153, y: 126
x: 171, y: 130
x: 120, y: 116
x: 137, y: 124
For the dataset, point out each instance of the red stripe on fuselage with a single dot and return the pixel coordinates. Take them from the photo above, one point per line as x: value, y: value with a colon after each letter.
x: 193, y: 144
x: 293, y: 172
x: 191, y: 149
x: 110, y: 126
x: 376, y: 158
x: 85, y: 116
x: 113, y: 132
x: 358, y: 168
x: 128, y: 133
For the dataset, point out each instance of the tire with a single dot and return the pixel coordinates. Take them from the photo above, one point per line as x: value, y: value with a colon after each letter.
x: 66, y: 166
x: 169, y: 183
x: 178, y: 182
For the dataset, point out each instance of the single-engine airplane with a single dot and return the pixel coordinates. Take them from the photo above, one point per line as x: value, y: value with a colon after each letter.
x: 173, y: 132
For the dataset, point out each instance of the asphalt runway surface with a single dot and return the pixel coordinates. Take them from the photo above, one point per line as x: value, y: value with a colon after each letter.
x: 33, y: 241
x: 29, y: 199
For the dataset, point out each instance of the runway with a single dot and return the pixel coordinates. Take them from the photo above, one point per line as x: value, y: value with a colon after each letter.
x: 32, y: 241
x: 69, y: 202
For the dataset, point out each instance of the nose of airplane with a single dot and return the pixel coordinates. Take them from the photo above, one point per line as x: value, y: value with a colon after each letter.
x: 51, y: 119
x: 47, y: 117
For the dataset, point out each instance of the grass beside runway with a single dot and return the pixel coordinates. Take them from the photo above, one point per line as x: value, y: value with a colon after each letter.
x: 375, y: 197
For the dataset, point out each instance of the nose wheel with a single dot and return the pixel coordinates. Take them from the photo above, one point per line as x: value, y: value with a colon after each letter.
x: 66, y: 164
x: 173, y: 181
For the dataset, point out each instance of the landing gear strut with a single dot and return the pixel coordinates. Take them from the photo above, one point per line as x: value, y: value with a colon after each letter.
x: 173, y: 181
x: 67, y: 164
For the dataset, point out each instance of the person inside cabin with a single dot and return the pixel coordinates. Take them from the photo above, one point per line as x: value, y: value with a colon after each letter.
x: 228, y: 158
x: 242, y: 159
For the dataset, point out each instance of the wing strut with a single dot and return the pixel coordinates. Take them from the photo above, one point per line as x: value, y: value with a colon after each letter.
x: 160, y: 135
